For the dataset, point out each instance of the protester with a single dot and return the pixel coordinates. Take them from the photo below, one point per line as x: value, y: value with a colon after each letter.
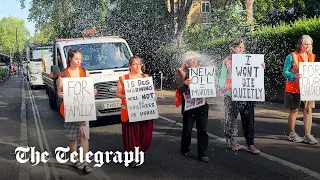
x: 196, y: 114
x: 75, y: 131
x: 233, y: 108
x: 14, y: 69
x: 292, y: 90
x: 134, y: 134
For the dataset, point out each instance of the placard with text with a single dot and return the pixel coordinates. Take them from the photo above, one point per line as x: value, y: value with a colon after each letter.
x: 248, y: 77
x: 191, y: 103
x: 310, y: 81
x: 203, y: 82
x: 141, y: 99
x: 78, y: 98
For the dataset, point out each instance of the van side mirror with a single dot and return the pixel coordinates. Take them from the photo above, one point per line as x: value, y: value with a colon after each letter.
x: 54, y: 71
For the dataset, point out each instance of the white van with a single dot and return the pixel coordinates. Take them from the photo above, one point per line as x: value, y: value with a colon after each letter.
x: 106, y: 58
x: 36, y: 54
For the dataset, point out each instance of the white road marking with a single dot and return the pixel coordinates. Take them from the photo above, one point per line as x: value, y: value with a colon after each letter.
x: 267, y: 156
x: 24, y: 173
x: 98, y: 172
x: 42, y: 136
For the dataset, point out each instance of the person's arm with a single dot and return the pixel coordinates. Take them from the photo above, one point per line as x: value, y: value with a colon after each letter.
x: 119, y: 90
x: 60, y: 86
x: 223, y: 75
x: 287, y: 68
x: 87, y: 73
x: 180, y: 85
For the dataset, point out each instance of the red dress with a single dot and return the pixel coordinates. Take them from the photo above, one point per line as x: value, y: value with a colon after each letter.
x: 136, y: 134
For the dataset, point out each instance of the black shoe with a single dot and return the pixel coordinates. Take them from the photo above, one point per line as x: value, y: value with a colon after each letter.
x: 134, y: 164
x: 204, y: 159
x: 187, y: 154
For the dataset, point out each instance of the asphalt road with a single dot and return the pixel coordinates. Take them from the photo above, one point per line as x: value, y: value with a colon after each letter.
x: 280, y: 159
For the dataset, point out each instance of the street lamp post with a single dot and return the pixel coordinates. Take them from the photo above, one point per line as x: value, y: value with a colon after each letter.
x: 17, y: 46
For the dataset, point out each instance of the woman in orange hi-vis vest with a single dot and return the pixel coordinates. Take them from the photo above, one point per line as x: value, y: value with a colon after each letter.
x: 75, y: 131
x: 134, y: 134
x: 292, y: 99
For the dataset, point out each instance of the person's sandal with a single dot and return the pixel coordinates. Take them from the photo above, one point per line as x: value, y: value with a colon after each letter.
x: 133, y: 164
x: 78, y: 165
x: 204, y: 159
x: 87, y: 169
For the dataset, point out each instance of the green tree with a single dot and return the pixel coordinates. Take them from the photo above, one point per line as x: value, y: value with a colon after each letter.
x: 179, y: 11
x: 45, y: 35
x: 247, y: 6
x: 275, y: 11
x: 67, y: 18
x: 272, y: 11
x: 13, y: 35
x: 228, y: 22
x: 145, y: 24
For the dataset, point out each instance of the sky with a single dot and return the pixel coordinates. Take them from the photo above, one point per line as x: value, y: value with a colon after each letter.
x: 13, y: 8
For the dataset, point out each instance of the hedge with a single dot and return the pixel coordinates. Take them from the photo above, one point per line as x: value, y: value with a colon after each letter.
x: 3, y: 73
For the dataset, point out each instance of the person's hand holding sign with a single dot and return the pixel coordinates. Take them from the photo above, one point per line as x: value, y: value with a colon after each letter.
x: 187, y: 82
x: 60, y: 94
x: 123, y: 96
x: 95, y: 91
x: 298, y: 76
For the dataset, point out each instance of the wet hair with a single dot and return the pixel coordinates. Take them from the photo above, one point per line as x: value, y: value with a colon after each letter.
x: 71, y: 53
x: 301, y: 39
x: 235, y: 44
x: 134, y: 58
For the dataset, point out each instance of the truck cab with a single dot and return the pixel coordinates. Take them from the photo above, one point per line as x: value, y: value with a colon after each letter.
x: 36, y: 54
x: 106, y: 59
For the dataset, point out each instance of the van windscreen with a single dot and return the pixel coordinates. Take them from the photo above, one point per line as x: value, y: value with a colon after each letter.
x: 107, y: 55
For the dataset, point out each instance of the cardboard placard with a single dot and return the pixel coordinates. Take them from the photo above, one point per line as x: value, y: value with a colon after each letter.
x: 78, y: 98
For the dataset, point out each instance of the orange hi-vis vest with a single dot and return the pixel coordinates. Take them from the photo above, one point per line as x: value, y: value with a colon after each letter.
x: 65, y: 74
x: 124, y: 110
x: 228, y: 81
x: 293, y: 86
x: 178, y: 96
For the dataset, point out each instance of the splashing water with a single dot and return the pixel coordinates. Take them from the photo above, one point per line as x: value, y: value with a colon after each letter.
x: 217, y: 102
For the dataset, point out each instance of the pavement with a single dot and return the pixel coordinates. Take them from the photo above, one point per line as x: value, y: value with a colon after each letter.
x: 27, y: 120
x: 10, y: 118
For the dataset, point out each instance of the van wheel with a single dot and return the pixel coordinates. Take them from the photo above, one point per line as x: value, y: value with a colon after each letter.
x: 52, y: 100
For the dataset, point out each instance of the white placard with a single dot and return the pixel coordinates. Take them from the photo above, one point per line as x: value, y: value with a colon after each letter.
x: 310, y: 81
x: 191, y: 103
x: 141, y: 99
x: 78, y: 98
x: 203, y: 83
x: 248, y: 77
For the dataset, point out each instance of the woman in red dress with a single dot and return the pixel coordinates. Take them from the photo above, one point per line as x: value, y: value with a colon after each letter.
x: 134, y: 134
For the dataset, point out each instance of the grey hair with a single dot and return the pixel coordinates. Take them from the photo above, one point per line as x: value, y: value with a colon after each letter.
x: 302, y: 38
